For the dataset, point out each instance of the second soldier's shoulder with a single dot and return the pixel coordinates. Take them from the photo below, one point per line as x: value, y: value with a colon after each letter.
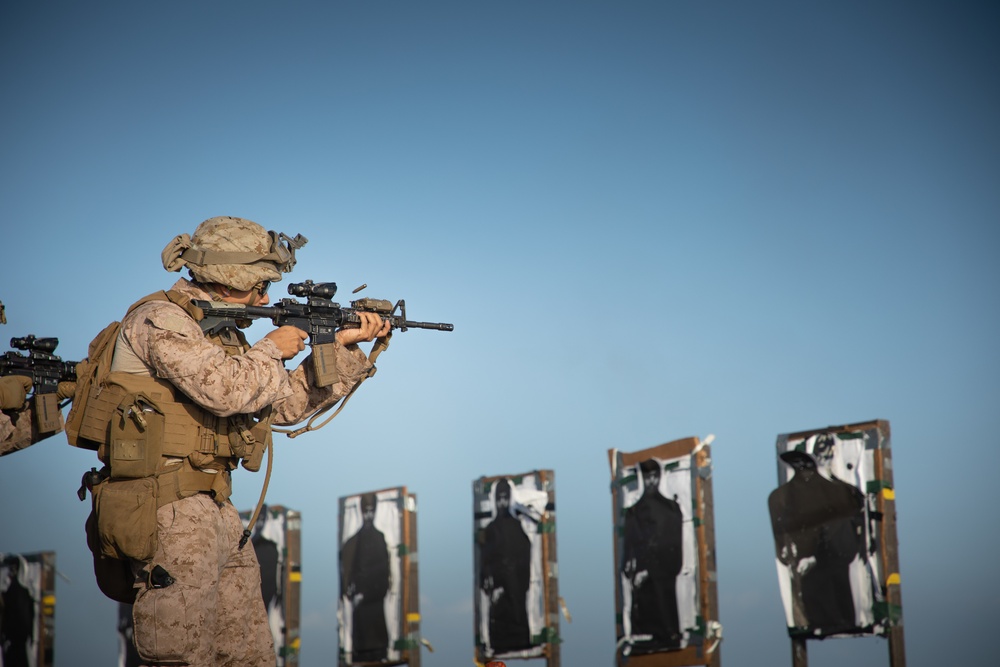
x: 144, y: 310
x: 160, y: 313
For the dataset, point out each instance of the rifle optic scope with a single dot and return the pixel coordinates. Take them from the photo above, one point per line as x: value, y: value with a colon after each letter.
x: 36, y: 344
x: 309, y: 288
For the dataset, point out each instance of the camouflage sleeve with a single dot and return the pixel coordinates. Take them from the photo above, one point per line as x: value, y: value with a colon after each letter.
x: 6, y: 427
x: 19, y: 433
x: 306, y: 397
x: 172, y: 344
x: 174, y: 347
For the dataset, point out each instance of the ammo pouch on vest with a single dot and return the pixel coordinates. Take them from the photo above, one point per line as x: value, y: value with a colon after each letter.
x: 248, y: 440
x: 151, y: 426
x: 136, y: 437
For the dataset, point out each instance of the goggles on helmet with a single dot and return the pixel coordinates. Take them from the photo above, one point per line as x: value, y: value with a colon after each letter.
x: 283, y: 250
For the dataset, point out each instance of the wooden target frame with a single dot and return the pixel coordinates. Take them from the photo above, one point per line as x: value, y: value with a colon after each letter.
x: 549, y: 640
x: 881, y: 496
x: 703, y: 641
x: 408, y: 640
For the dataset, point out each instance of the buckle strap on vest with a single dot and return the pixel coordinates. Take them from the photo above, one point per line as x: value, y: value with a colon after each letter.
x: 208, y: 435
x: 184, y: 481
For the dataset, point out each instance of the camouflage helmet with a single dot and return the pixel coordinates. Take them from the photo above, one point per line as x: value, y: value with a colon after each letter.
x: 234, y: 252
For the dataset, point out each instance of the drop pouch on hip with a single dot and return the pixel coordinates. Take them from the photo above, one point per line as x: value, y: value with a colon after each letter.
x: 114, y: 575
x: 125, y: 518
x: 121, y: 525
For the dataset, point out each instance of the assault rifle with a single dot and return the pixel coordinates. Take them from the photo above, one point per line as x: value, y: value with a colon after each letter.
x: 46, y: 371
x: 319, y: 316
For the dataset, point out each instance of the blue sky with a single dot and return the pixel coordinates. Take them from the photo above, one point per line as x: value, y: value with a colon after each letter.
x: 647, y: 220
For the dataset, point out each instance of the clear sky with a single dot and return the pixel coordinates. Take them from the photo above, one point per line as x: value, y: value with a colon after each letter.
x: 647, y: 221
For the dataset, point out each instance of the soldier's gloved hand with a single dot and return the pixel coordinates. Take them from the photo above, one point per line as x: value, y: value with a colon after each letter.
x: 290, y: 340
x: 65, y: 390
x: 14, y: 391
x: 371, y: 327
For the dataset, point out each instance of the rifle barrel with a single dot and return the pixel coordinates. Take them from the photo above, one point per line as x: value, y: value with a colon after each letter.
x: 437, y: 326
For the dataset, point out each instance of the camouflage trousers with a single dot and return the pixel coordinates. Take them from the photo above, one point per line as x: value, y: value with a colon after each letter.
x: 212, y: 615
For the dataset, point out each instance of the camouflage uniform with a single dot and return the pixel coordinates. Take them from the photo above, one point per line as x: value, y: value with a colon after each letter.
x: 213, y: 613
x: 172, y: 346
x: 18, y: 429
x: 15, y: 436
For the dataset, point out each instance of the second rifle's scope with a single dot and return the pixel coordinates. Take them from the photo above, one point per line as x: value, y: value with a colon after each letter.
x: 309, y: 288
x: 36, y: 344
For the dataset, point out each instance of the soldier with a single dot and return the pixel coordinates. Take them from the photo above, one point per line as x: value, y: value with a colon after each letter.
x: 17, y: 421
x: 17, y: 424
x: 185, y: 408
x: 13, y: 396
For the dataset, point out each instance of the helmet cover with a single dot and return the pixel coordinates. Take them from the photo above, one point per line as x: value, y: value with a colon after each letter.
x: 234, y: 252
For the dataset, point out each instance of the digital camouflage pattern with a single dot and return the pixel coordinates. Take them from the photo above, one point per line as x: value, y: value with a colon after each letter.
x: 225, y: 234
x: 173, y: 347
x: 213, y: 613
x: 15, y: 436
x: 22, y: 433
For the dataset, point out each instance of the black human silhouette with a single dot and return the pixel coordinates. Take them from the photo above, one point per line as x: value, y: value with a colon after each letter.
x: 818, y: 527
x: 652, y: 557
x: 505, y: 574
x: 17, y: 622
x: 267, y: 556
x: 126, y: 633
x: 365, y: 580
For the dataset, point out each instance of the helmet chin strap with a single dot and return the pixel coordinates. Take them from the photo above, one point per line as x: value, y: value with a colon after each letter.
x: 214, y: 290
